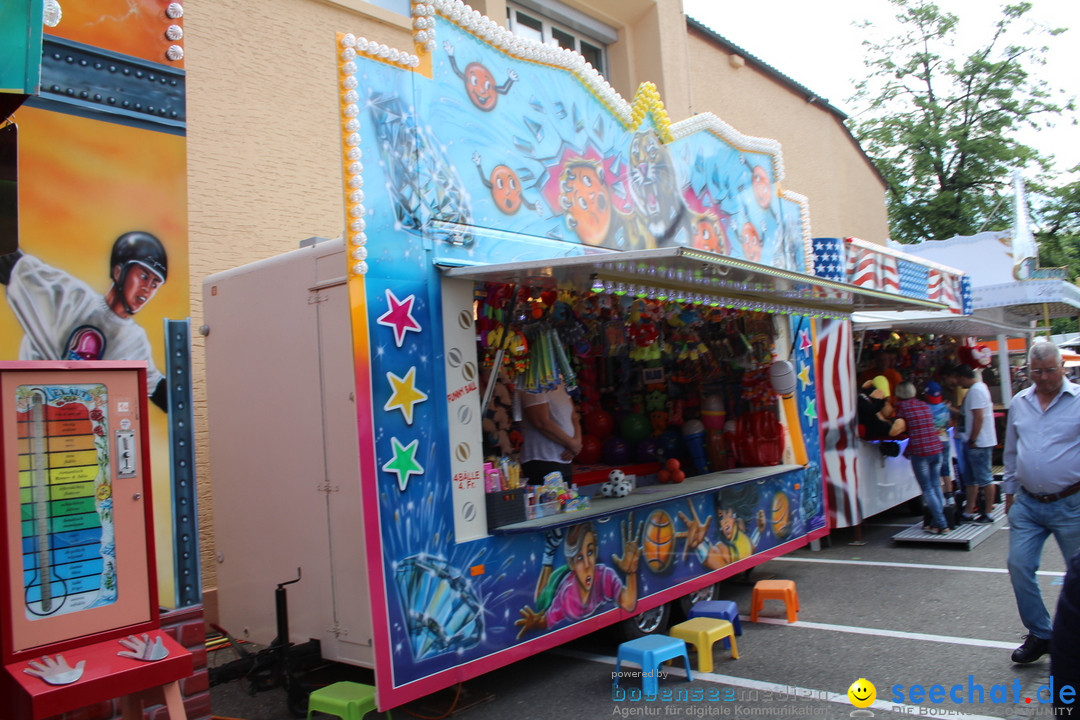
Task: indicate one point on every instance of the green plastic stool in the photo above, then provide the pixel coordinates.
(346, 700)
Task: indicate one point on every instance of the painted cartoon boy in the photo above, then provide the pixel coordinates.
(733, 544)
(583, 585)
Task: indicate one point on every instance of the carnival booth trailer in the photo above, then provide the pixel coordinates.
(511, 219)
(867, 475)
(1001, 296)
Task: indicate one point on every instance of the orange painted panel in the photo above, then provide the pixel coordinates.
(130, 27)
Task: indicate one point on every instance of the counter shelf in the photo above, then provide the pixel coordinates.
(647, 496)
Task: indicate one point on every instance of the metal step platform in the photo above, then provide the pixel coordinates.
(968, 534)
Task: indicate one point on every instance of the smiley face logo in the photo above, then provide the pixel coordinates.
(862, 693)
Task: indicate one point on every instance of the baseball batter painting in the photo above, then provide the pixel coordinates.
(63, 318)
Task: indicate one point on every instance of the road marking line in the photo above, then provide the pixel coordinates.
(800, 692)
(913, 566)
(951, 639)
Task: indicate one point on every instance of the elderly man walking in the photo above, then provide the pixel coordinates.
(1041, 486)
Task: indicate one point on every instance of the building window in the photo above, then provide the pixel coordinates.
(401, 7)
(556, 24)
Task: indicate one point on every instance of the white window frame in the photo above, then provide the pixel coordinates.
(555, 17)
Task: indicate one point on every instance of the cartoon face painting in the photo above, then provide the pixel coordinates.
(480, 86)
(479, 82)
(751, 242)
(763, 190)
(654, 186)
(587, 201)
(505, 189)
(729, 523)
(709, 235)
(583, 563)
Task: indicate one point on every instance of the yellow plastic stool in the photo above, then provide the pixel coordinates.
(703, 633)
(346, 700)
(775, 590)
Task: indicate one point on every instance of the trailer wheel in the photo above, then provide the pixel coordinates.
(683, 604)
(649, 622)
(296, 702)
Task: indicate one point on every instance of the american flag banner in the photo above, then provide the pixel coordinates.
(933, 285)
(966, 302)
(871, 269)
(829, 258)
(862, 267)
(914, 278)
(947, 288)
(890, 276)
(838, 421)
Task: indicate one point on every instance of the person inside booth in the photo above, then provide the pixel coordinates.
(551, 432)
(875, 413)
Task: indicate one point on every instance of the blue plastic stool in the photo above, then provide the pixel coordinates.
(650, 652)
(347, 700)
(719, 609)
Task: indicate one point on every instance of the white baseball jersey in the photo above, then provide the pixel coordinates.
(64, 319)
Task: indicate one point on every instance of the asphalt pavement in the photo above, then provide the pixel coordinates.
(930, 627)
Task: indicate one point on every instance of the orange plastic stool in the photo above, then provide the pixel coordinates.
(775, 590)
(703, 633)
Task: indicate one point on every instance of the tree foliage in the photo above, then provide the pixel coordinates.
(1058, 220)
(940, 124)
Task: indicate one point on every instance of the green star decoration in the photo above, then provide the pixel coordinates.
(811, 409)
(404, 462)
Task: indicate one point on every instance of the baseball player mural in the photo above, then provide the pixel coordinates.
(63, 318)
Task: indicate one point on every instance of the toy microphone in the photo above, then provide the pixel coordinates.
(782, 375)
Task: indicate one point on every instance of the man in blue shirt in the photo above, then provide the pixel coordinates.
(1041, 486)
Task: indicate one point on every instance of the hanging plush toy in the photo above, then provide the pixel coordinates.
(976, 356)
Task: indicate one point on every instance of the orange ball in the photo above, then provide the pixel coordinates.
(658, 541)
(678, 476)
(663, 476)
(672, 464)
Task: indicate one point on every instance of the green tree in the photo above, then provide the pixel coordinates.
(940, 124)
(1057, 218)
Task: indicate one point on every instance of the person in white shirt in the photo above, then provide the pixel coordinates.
(551, 434)
(979, 439)
(1041, 485)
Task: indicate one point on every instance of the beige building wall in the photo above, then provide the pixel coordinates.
(264, 154)
(822, 160)
(264, 144)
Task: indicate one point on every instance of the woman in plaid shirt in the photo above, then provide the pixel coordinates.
(924, 450)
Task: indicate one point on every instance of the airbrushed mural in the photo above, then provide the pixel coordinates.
(480, 158)
(496, 143)
(101, 218)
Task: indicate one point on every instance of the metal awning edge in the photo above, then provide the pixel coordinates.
(634, 266)
(939, 323)
(1023, 293)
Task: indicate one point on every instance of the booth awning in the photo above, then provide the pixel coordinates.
(688, 274)
(939, 323)
(1034, 299)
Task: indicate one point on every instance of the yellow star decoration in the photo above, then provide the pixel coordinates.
(404, 394)
(804, 376)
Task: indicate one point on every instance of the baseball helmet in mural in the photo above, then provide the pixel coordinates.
(140, 248)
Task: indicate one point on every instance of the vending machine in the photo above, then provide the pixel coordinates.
(79, 617)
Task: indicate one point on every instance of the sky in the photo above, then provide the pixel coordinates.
(815, 43)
